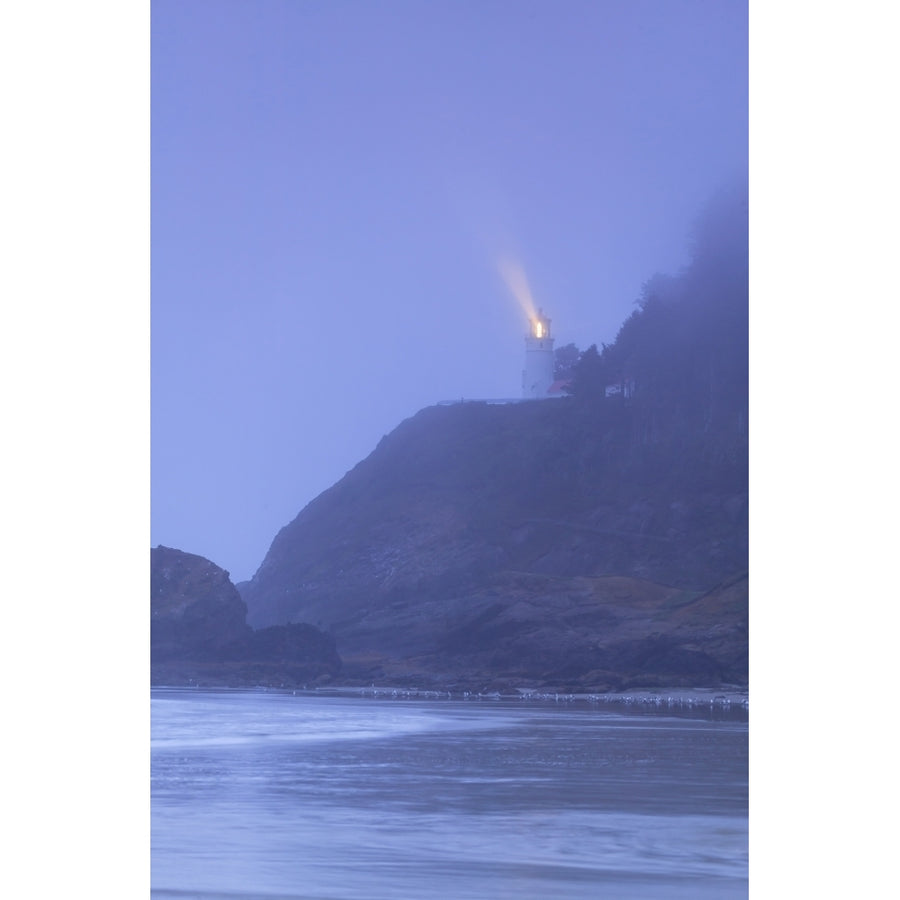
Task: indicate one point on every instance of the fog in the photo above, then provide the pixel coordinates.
(353, 206)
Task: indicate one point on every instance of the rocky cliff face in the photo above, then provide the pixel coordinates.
(530, 541)
(578, 633)
(199, 633)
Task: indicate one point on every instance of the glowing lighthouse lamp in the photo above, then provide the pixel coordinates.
(538, 374)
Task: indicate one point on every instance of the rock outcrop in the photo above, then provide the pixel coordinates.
(199, 633)
(195, 610)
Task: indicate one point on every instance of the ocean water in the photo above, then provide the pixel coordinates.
(276, 795)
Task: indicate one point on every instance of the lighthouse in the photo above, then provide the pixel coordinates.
(538, 373)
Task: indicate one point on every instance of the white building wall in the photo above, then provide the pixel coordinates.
(538, 374)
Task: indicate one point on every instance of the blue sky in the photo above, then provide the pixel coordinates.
(334, 185)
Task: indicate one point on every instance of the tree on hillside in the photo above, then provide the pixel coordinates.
(564, 360)
(716, 290)
(589, 375)
(685, 346)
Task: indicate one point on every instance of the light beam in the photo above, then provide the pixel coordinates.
(514, 276)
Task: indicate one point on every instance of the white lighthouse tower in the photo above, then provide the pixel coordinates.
(538, 374)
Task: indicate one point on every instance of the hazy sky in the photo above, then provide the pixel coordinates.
(334, 186)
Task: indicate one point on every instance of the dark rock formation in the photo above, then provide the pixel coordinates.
(294, 654)
(195, 610)
(199, 633)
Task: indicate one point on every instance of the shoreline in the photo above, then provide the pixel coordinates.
(724, 698)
